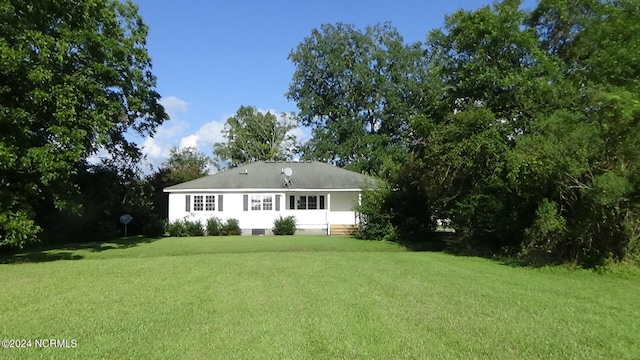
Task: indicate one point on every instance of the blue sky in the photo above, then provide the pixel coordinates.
(211, 57)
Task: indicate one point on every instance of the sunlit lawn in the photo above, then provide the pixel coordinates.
(308, 298)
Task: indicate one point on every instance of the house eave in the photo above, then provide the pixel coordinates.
(251, 190)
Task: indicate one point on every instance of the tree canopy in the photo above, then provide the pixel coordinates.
(357, 90)
(520, 126)
(537, 153)
(185, 164)
(74, 77)
(251, 135)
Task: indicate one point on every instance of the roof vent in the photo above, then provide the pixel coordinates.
(245, 172)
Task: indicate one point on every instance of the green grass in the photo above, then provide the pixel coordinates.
(308, 298)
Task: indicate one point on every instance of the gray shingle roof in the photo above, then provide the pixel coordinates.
(269, 175)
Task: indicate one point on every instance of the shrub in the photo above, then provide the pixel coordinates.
(375, 220)
(214, 226)
(193, 228)
(17, 230)
(632, 227)
(542, 239)
(284, 226)
(176, 228)
(231, 227)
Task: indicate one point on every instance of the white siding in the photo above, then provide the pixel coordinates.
(343, 201)
(338, 210)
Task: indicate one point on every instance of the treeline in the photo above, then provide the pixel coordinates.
(520, 126)
(104, 192)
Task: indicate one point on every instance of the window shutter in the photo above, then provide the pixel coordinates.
(277, 202)
(292, 202)
(245, 202)
(187, 207)
(321, 202)
(219, 202)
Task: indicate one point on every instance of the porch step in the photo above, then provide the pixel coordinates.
(344, 229)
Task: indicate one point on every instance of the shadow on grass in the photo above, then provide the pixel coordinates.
(448, 242)
(38, 257)
(98, 246)
(57, 252)
(439, 241)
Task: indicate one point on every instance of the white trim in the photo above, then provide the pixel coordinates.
(250, 190)
(327, 206)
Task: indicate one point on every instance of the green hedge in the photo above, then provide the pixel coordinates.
(284, 226)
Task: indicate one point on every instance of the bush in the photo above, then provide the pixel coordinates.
(231, 227)
(375, 220)
(542, 239)
(17, 230)
(193, 228)
(632, 227)
(284, 226)
(214, 226)
(176, 228)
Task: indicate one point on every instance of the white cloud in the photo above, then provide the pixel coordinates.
(300, 134)
(209, 134)
(189, 141)
(175, 132)
(157, 148)
(98, 156)
(152, 150)
(174, 105)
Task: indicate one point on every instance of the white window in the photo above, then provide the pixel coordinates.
(210, 203)
(198, 203)
(267, 202)
(203, 202)
(302, 203)
(312, 202)
(256, 202)
(261, 202)
(306, 202)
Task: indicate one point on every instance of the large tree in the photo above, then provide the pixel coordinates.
(253, 135)
(357, 90)
(535, 145)
(74, 77)
(494, 81)
(185, 164)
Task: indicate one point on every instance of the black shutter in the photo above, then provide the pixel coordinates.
(292, 202)
(277, 202)
(187, 207)
(245, 202)
(219, 202)
(321, 202)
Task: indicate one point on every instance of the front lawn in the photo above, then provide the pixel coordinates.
(307, 298)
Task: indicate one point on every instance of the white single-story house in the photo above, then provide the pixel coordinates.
(321, 197)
